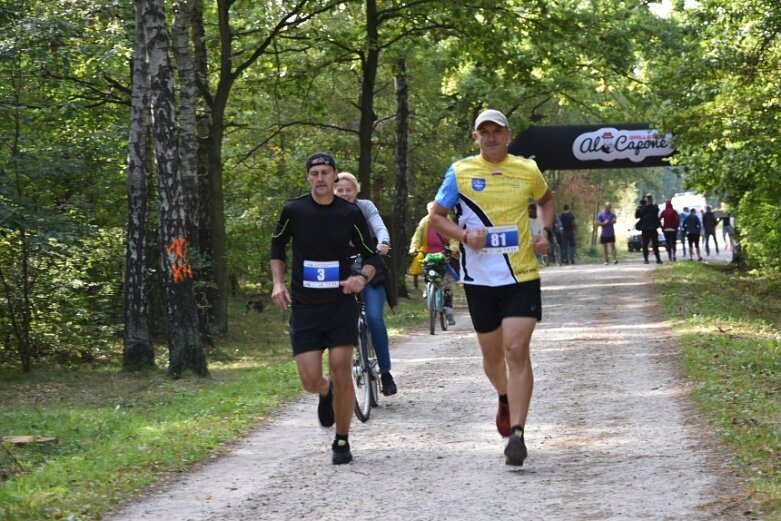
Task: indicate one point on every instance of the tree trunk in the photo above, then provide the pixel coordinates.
(185, 349)
(369, 61)
(138, 351)
(215, 199)
(189, 150)
(188, 142)
(399, 235)
(203, 118)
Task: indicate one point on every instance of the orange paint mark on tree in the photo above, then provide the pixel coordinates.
(177, 254)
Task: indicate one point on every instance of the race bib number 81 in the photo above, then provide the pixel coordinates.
(501, 239)
(321, 274)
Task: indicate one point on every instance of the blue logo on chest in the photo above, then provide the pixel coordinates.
(478, 184)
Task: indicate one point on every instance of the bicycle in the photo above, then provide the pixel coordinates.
(366, 369)
(435, 267)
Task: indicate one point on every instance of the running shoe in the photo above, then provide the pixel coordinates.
(503, 419)
(325, 409)
(388, 385)
(515, 451)
(341, 453)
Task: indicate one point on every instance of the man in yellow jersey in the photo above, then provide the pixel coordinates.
(490, 194)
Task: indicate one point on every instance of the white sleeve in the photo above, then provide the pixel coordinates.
(372, 216)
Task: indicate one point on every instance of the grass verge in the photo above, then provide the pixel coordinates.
(118, 432)
(729, 330)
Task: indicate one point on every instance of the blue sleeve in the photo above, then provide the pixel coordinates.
(447, 195)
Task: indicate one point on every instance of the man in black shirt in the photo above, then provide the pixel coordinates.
(568, 226)
(648, 214)
(326, 231)
(709, 222)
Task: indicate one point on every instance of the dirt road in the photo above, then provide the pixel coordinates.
(611, 432)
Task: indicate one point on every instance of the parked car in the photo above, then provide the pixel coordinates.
(634, 241)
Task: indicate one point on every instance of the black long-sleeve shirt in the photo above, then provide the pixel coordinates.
(323, 236)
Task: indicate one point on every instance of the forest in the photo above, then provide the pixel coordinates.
(146, 147)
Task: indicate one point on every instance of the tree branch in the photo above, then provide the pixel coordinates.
(283, 126)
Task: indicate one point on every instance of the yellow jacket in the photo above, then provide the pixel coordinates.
(418, 244)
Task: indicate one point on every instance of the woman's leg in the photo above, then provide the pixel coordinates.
(374, 297)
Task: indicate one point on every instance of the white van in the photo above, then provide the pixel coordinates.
(688, 200)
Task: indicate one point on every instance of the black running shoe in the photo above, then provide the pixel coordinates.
(388, 385)
(342, 452)
(325, 409)
(515, 451)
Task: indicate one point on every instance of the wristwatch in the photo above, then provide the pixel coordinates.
(549, 230)
(362, 274)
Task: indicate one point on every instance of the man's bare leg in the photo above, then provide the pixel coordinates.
(516, 340)
(310, 372)
(507, 347)
(340, 363)
(494, 363)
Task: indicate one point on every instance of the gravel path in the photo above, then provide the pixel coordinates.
(611, 432)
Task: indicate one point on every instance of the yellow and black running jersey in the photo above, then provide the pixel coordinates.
(495, 197)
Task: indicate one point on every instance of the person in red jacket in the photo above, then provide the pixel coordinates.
(670, 220)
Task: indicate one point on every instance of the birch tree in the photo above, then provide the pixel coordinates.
(138, 351)
(185, 348)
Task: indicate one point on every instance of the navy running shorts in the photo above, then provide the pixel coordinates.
(489, 305)
(319, 326)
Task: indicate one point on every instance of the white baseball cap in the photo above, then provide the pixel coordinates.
(493, 116)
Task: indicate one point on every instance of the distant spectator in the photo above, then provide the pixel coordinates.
(607, 236)
(726, 230)
(693, 226)
(648, 213)
(709, 223)
(670, 220)
(681, 229)
(568, 226)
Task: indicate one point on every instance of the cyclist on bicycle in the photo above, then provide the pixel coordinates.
(427, 240)
(325, 231)
(374, 294)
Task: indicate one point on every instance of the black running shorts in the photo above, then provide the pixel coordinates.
(319, 326)
(607, 240)
(489, 305)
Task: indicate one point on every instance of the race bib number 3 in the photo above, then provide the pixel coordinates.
(321, 274)
(501, 239)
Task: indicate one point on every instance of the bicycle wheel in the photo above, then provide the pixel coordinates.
(431, 300)
(374, 375)
(441, 308)
(557, 252)
(362, 377)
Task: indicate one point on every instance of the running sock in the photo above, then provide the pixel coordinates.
(341, 437)
(502, 398)
(517, 430)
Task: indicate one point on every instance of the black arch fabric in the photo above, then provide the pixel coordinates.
(610, 145)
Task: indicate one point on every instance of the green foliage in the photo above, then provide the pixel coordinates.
(717, 90)
(731, 336)
(61, 179)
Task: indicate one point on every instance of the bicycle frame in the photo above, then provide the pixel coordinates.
(366, 374)
(435, 297)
